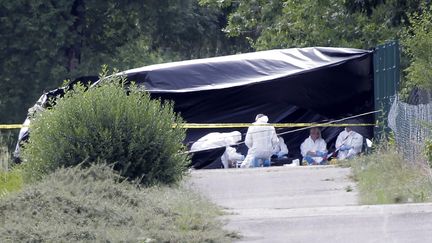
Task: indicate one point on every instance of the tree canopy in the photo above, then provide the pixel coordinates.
(301, 23)
(45, 42)
(417, 39)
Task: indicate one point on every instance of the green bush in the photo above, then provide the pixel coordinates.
(106, 123)
(95, 205)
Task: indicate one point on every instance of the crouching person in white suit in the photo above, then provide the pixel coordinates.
(348, 144)
(217, 140)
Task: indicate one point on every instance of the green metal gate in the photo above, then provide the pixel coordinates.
(386, 62)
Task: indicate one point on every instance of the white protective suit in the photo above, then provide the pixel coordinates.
(217, 140)
(231, 155)
(261, 140)
(247, 161)
(281, 148)
(310, 146)
(351, 139)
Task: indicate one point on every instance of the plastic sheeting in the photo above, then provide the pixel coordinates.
(314, 84)
(291, 85)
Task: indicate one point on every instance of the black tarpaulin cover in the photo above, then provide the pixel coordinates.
(296, 85)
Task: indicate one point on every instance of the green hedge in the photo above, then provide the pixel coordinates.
(106, 123)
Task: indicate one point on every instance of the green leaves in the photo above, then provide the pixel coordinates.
(45, 42)
(104, 124)
(294, 23)
(31, 33)
(417, 40)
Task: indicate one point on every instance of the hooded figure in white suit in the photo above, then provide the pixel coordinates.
(261, 139)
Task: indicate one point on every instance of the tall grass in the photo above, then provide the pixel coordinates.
(10, 179)
(5, 155)
(95, 204)
(384, 177)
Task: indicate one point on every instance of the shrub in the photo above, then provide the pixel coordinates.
(95, 205)
(106, 123)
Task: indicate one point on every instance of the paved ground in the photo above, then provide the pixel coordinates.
(308, 204)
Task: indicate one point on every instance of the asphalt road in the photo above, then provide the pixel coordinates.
(308, 204)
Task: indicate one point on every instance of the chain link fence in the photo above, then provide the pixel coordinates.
(411, 125)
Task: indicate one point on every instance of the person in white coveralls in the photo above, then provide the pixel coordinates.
(348, 144)
(261, 139)
(281, 149)
(314, 148)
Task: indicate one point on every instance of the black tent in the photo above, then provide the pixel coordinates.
(290, 86)
(295, 85)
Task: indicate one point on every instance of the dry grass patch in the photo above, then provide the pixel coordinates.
(95, 204)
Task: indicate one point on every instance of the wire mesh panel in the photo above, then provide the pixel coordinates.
(411, 125)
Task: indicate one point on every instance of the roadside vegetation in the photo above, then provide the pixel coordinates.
(96, 204)
(104, 165)
(384, 177)
(10, 179)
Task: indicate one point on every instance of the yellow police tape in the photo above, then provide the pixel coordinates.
(11, 126)
(277, 125)
(237, 125)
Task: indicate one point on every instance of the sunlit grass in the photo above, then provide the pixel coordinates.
(383, 177)
(94, 204)
(10, 178)
(10, 181)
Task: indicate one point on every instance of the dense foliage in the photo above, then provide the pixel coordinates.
(106, 124)
(45, 42)
(417, 40)
(42, 43)
(300, 23)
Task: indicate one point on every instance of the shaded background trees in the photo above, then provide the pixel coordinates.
(300, 23)
(45, 42)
